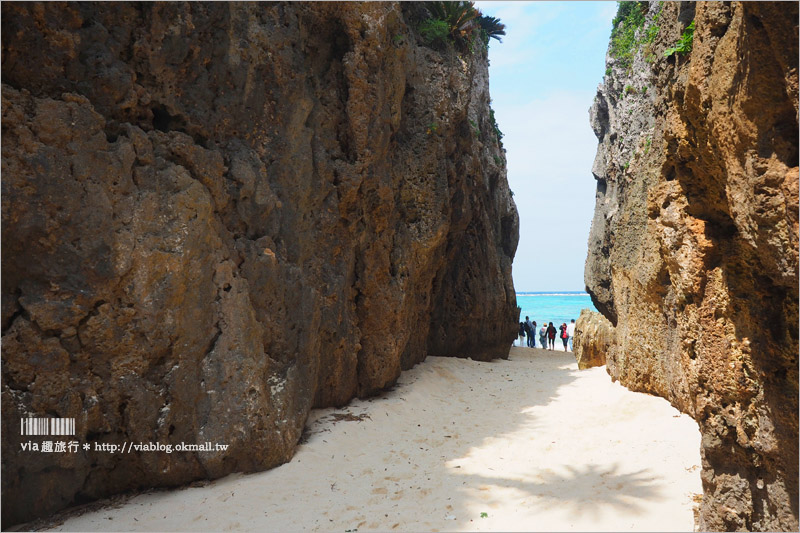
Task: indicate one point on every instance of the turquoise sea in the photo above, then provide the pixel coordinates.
(555, 307)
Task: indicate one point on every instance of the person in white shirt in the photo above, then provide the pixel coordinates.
(571, 332)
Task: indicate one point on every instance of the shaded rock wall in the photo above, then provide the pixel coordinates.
(694, 244)
(216, 216)
(594, 341)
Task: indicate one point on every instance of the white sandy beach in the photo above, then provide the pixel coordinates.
(528, 444)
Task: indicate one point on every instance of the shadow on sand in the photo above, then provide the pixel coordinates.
(623, 492)
(418, 457)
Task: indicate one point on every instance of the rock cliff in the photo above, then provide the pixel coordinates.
(693, 252)
(216, 216)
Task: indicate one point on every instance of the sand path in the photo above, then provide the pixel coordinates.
(527, 444)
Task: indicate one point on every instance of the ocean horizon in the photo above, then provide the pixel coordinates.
(553, 306)
(558, 293)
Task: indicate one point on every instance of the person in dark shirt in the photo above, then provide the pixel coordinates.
(529, 329)
(551, 336)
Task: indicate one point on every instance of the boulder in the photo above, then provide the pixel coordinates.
(594, 339)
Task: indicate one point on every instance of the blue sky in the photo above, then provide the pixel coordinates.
(542, 78)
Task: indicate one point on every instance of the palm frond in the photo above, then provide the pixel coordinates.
(493, 27)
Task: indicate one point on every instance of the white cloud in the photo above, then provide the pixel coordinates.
(550, 148)
(549, 136)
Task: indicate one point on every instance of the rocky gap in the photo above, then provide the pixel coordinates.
(19, 311)
(166, 122)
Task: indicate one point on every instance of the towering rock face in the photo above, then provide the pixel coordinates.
(693, 252)
(216, 216)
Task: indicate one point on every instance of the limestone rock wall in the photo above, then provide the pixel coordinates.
(216, 216)
(693, 253)
(595, 340)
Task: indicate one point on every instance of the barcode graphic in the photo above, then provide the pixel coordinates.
(62, 426)
(47, 426)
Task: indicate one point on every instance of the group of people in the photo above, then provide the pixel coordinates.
(547, 334)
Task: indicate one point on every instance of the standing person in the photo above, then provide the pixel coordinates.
(543, 335)
(529, 330)
(521, 334)
(533, 335)
(551, 336)
(571, 332)
(564, 335)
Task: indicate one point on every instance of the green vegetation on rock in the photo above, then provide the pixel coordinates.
(457, 17)
(491, 27)
(460, 23)
(497, 132)
(684, 44)
(434, 31)
(626, 34)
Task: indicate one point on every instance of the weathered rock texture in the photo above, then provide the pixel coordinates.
(694, 244)
(216, 216)
(594, 339)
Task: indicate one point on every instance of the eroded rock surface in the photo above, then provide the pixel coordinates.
(594, 341)
(694, 243)
(216, 216)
